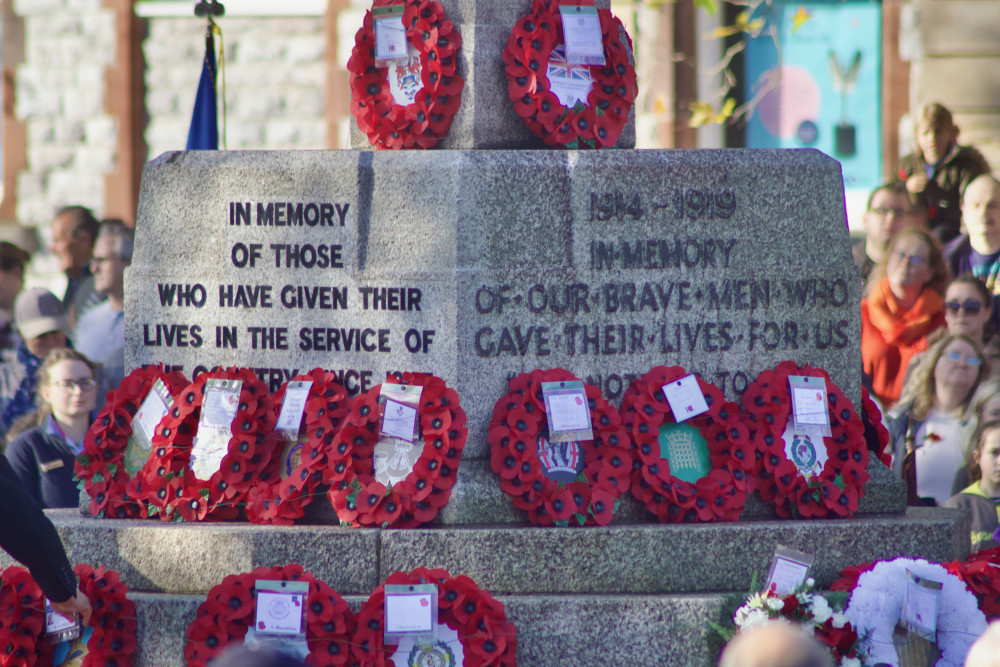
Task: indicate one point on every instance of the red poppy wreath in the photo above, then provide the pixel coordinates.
(696, 470)
(565, 483)
(427, 466)
(107, 641)
(292, 477)
(229, 611)
(472, 627)
(101, 467)
(838, 486)
(408, 104)
(168, 483)
(536, 65)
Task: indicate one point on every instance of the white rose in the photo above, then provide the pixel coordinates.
(840, 620)
(821, 610)
(810, 582)
(850, 662)
(775, 604)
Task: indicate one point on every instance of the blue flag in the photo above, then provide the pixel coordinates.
(204, 132)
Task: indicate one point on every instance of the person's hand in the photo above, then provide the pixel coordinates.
(916, 183)
(78, 604)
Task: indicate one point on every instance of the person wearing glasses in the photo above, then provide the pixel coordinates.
(967, 311)
(928, 432)
(906, 304)
(100, 332)
(42, 457)
(977, 251)
(889, 211)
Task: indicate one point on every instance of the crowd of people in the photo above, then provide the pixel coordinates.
(930, 321)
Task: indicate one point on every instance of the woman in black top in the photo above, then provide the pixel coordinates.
(43, 457)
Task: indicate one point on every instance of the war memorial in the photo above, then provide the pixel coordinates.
(489, 257)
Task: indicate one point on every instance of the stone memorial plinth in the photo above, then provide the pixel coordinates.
(486, 119)
(480, 265)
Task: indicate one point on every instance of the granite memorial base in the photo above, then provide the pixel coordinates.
(632, 594)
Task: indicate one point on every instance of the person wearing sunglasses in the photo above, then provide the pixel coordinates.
(968, 312)
(43, 457)
(927, 433)
(977, 251)
(905, 306)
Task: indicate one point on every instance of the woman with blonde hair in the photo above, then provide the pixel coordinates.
(927, 433)
(906, 304)
(43, 457)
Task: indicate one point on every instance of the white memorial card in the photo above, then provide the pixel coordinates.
(211, 443)
(410, 611)
(789, 570)
(582, 35)
(685, 398)
(920, 606)
(809, 405)
(567, 411)
(292, 407)
(154, 407)
(399, 420)
(390, 34)
(279, 613)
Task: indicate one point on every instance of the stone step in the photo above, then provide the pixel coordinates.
(552, 630)
(627, 559)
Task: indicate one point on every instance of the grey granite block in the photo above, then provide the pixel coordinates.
(669, 558)
(191, 558)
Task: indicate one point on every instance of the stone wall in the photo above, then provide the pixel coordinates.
(274, 82)
(71, 139)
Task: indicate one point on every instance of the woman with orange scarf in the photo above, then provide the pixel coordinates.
(904, 306)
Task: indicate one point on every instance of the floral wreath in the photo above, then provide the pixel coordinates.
(358, 498)
(519, 420)
(827, 622)
(596, 124)
(282, 499)
(717, 496)
(835, 492)
(101, 466)
(228, 612)
(166, 481)
(480, 621)
(872, 417)
(427, 120)
(877, 598)
(22, 619)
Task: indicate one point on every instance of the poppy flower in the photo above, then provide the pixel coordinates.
(602, 505)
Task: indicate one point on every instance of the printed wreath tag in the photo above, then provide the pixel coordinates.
(355, 492)
(109, 638)
(167, 481)
(228, 611)
(563, 484)
(112, 452)
(689, 471)
(784, 467)
(303, 464)
(471, 623)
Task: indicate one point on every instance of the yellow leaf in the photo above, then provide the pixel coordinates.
(701, 113)
(801, 16)
(727, 110)
(659, 105)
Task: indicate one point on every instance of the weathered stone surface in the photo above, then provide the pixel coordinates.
(604, 263)
(191, 558)
(668, 558)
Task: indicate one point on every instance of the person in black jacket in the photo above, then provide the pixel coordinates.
(43, 456)
(28, 535)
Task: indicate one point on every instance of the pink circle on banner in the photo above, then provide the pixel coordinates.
(793, 100)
